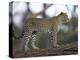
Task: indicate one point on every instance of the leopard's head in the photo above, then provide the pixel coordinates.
(64, 17)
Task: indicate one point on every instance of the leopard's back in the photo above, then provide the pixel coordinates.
(39, 23)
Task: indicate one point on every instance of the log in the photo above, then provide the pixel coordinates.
(68, 49)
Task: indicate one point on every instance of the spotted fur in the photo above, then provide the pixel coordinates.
(36, 25)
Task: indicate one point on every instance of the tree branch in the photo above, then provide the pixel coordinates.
(34, 15)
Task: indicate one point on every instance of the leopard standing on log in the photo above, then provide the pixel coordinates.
(34, 26)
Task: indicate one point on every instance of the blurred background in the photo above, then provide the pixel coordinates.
(19, 11)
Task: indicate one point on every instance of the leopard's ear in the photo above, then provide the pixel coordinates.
(61, 13)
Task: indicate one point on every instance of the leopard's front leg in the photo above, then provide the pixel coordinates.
(54, 39)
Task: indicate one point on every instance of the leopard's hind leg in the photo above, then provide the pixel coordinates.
(33, 41)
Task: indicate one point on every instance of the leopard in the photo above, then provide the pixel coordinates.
(34, 26)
